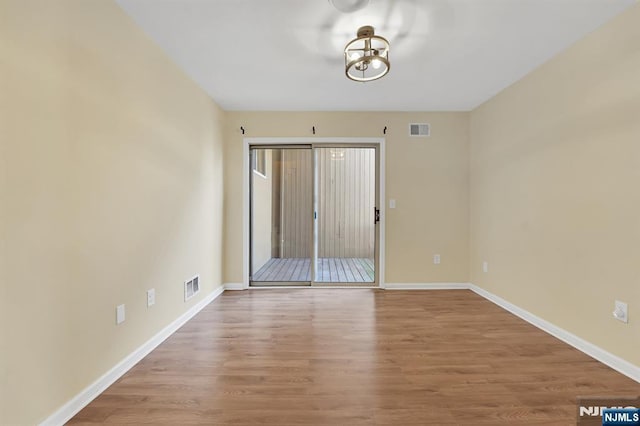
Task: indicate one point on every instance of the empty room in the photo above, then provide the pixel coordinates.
(319, 212)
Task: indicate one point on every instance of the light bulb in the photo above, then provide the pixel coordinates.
(355, 56)
(376, 63)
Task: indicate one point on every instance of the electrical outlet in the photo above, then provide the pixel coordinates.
(119, 314)
(485, 266)
(151, 297)
(436, 259)
(392, 203)
(620, 311)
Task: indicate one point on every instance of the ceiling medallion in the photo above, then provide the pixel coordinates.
(366, 58)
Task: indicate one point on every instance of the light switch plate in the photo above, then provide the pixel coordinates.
(119, 314)
(392, 203)
(151, 297)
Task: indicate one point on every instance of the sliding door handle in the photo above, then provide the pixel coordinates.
(376, 215)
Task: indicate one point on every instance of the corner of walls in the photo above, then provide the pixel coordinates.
(433, 221)
(553, 167)
(234, 286)
(620, 365)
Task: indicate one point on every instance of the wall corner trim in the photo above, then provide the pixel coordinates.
(427, 286)
(81, 400)
(620, 365)
(234, 286)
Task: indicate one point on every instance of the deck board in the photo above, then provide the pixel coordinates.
(298, 270)
(347, 271)
(342, 270)
(333, 272)
(355, 271)
(362, 271)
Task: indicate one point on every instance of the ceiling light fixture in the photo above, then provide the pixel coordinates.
(366, 58)
(349, 6)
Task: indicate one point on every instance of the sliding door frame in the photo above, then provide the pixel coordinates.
(316, 208)
(252, 149)
(269, 142)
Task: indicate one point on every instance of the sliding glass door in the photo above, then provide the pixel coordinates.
(345, 205)
(281, 220)
(313, 215)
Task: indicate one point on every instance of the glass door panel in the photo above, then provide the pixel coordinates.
(345, 201)
(281, 215)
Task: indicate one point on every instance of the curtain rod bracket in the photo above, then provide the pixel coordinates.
(385, 130)
(242, 128)
(314, 129)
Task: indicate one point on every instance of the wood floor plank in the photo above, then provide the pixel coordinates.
(356, 357)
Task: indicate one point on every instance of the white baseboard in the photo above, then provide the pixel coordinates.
(71, 408)
(77, 403)
(628, 369)
(426, 286)
(234, 286)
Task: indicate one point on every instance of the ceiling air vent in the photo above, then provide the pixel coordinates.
(419, 129)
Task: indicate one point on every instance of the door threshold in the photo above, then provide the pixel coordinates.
(325, 287)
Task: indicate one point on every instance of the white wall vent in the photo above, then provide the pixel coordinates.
(419, 129)
(191, 287)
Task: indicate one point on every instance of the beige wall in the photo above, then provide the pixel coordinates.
(113, 165)
(4, 319)
(427, 177)
(555, 167)
(111, 183)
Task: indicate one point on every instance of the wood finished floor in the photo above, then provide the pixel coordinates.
(333, 270)
(356, 357)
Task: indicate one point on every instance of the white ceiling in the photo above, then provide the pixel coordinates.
(286, 55)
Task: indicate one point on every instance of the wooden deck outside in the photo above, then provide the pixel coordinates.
(333, 270)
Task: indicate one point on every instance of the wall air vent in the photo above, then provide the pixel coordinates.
(191, 287)
(419, 129)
